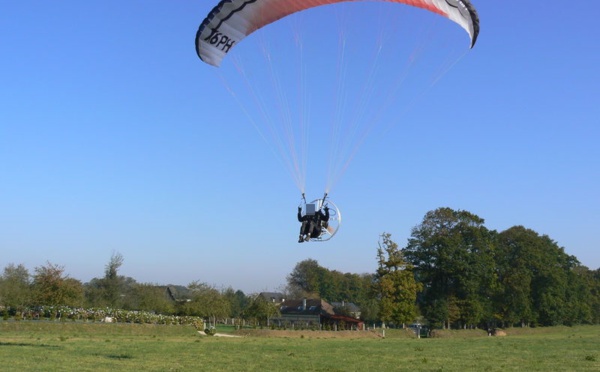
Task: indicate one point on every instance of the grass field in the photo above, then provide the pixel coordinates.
(54, 346)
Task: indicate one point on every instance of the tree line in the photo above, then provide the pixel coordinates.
(456, 273)
(472, 275)
(452, 273)
(50, 292)
(23, 293)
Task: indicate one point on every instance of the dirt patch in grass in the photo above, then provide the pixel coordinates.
(307, 334)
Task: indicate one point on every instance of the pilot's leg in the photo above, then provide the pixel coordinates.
(303, 229)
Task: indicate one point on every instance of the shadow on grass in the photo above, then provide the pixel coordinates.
(25, 344)
(119, 356)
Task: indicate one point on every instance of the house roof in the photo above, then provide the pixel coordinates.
(348, 305)
(178, 292)
(347, 319)
(306, 306)
(273, 296)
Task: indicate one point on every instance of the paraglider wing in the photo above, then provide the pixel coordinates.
(232, 20)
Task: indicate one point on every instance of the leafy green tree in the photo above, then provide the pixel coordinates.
(369, 310)
(93, 293)
(15, 287)
(395, 284)
(304, 281)
(52, 287)
(537, 279)
(310, 280)
(237, 301)
(593, 279)
(206, 301)
(113, 284)
(580, 300)
(513, 302)
(112, 290)
(453, 257)
(352, 287)
(150, 297)
(261, 309)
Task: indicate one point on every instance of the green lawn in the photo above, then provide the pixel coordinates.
(54, 346)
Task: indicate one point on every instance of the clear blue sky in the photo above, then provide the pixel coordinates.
(115, 137)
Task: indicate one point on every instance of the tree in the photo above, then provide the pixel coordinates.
(15, 287)
(395, 284)
(237, 301)
(593, 279)
(261, 309)
(539, 284)
(113, 283)
(112, 289)
(150, 297)
(514, 260)
(580, 299)
(310, 280)
(206, 301)
(369, 310)
(453, 257)
(305, 279)
(51, 287)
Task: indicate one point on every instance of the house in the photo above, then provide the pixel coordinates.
(274, 297)
(347, 308)
(314, 313)
(177, 293)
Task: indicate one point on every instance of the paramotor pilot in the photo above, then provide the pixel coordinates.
(312, 222)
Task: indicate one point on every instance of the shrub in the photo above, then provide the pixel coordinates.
(210, 331)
